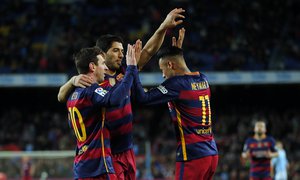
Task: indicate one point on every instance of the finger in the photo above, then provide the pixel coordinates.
(139, 44)
(86, 80)
(82, 86)
(133, 53)
(128, 49)
(84, 83)
(181, 33)
(174, 10)
(178, 22)
(180, 37)
(180, 16)
(180, 10)
(173, 41)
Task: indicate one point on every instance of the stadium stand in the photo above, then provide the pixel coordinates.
(251, 35)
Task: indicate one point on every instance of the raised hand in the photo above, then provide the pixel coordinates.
(130, 55)
(138, 49)
(178, 42)
(174, 18)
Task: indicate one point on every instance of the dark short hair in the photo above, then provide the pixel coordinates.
(105, 41)
(84, 57)
(169, 51)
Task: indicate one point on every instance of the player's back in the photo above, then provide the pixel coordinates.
(93, 154)
(191, 115)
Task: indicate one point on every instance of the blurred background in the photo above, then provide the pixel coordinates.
(249, 49)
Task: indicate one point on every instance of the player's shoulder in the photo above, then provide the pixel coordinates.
(80, 92)
(250, 139)
(93, 88)
(270, 138)
(188, 77)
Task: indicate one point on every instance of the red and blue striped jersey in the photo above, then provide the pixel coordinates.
(86, 107)
(120, 119)
(258, 149)
(188, 98)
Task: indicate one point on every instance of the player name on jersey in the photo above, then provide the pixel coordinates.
(200, 85)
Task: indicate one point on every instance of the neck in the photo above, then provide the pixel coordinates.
(110, 72)
(182, 71)
(259, 136)
(94, 79)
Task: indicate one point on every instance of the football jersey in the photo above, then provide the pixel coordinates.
(120, 118)
(87, 107)
(260, 165)
(188, 99)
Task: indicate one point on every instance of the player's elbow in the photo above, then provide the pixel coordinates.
(61, 98)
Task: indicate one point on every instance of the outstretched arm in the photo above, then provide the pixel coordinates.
(153, 96)
(155, 42)
(80, 80)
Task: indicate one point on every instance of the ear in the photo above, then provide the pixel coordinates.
(92, 66)
(170, 65)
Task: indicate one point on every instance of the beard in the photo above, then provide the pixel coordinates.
(259, 134)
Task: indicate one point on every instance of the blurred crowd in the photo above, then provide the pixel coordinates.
(37, 127)
(41, 36)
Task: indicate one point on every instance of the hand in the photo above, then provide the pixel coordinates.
(138, 49)
(130, 55)
(82, 80)
(178, 43)
(171, 20)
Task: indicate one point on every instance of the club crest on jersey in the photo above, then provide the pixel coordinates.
(120, 77)
(101, 91)
(74, 96)
(112, 81)
(162, 89)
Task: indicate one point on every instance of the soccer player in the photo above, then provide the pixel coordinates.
(260, 149)
(27, 168)
(120, 118)
(86, 113)
(188, 97)
(280, 163)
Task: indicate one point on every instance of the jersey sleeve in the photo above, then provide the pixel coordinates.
(273, 144)
(103, 97)
(165, 92)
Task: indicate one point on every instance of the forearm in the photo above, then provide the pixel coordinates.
(152, 46)
(151, 97)
(65, 90)
(273, 154)
(140, 94)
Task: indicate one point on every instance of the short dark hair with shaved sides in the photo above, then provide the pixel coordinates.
(169, 51)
